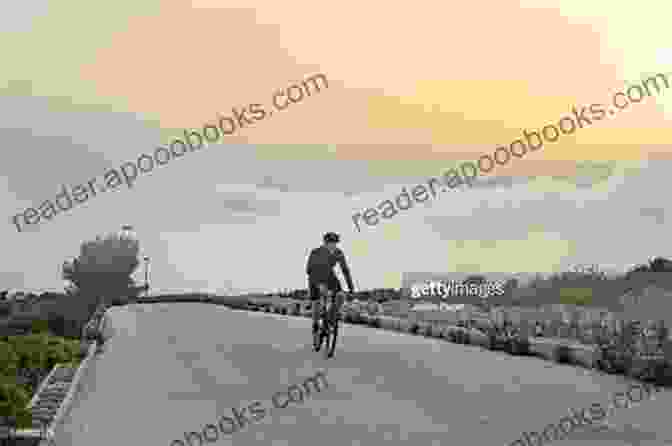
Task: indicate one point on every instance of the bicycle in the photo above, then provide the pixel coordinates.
(327, 331)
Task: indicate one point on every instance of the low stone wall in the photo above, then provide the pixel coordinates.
(546, 348)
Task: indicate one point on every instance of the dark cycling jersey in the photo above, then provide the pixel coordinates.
(320, 267)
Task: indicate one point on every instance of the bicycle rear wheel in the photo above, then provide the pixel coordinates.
(318, 335)
(317, 339)
(332, 330)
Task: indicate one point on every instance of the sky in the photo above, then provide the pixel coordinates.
(413, 89)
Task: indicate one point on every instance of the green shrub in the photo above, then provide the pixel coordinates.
(32, 350)
(13, 401)
(35, 352)
(40, 326)
(57, 354)
(9, 359)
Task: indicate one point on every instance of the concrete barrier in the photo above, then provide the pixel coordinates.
(477, 337)
(405, 325)
(543, 347)
(585, 355)
(435, 331)
(423, 326)
(388, 323)
(446, 333)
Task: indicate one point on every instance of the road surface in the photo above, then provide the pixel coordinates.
(173, 368)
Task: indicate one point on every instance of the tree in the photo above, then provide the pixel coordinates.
(640, 275)
(103, 267)
(655, 265)
(660, 265)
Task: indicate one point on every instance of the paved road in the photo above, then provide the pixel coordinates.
(172, 368)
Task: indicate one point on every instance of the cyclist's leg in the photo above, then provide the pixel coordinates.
(340, 299)
(316, 313)
(315, 300)
(339, 294)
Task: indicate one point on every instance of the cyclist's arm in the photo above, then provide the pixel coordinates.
(346, 271)
(310, 264)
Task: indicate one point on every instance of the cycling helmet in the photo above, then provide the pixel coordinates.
(331, 237)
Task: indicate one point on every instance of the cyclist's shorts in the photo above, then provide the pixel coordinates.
(332, 285)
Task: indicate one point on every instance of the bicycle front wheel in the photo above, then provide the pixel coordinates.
(332, 336)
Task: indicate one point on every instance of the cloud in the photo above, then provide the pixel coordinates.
(21, 17)
(498, 182)
(65, 146)
(658, 214)
(248, 203)
(270, 183)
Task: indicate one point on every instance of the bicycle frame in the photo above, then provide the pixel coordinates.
(326, 303)
(328, 329)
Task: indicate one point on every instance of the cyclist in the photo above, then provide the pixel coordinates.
(321, 276)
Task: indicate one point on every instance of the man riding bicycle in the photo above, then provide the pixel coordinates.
(321, 276)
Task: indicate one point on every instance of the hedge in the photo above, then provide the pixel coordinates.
(14, 400)
(30, 357)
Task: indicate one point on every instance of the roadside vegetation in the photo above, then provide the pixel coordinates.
(39, 331)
